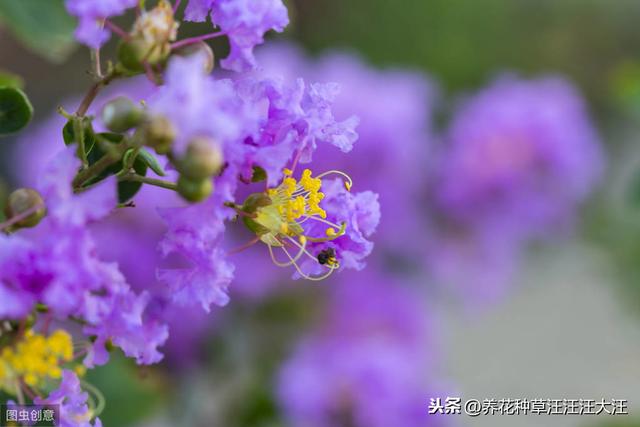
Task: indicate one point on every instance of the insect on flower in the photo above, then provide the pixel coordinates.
(278, 216)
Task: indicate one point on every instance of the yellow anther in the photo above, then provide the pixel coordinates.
(330, 232)
(287, 172)
(36, 358)
(347, 185)
(289, 186)
(303, 240)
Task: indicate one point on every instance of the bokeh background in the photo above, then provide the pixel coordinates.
(567, 325)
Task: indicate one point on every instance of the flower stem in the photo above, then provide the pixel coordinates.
(151, 181)
(11, 221)
(197, 39)
(113, 27)
(93, 92)
(98, 167)
(78, 130)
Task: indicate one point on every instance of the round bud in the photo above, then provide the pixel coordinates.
(203, 159)
(121, 114)
(194, 190)
(22, 200)
(134, 52)
(200, 48)
(158, 133)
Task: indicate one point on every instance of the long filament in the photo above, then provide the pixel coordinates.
(306, 276)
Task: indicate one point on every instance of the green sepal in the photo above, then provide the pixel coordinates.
(151, 161)
(254, 227)
(255, 201)
(259, 174)
(15, 110)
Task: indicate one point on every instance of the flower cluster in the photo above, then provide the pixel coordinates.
(519, 158)
(362, 367)
(260, 126)
(208, 175)
(231, 148)
(244, 22)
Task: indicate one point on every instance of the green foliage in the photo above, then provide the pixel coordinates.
(15, 110)
(463, 43)
(42, 25)
(69, 137)
(131, 394)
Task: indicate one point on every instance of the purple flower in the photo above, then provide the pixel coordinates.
(91, 15)
(519, 159)
(361, 214)
(56, 264)
(298, 119)
(392, 154)
(74, 411)
(195, 233)
(256, 122)
(367, 365)
(521, 156)
(244, 22)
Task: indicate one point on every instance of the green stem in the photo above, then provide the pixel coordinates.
(151, 181)
(93, 92)
(78, 130)
(98, 167)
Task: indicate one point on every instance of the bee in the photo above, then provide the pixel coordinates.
(327, 257)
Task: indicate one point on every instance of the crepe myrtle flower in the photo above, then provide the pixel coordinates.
(367, 364)
(75, 410)
(34, 363)
(55, 264)
(291, 218)
(257, 126)
(521, 156)
(244, 22)
(91, 15)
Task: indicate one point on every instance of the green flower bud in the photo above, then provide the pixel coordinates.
(121, 114)
(23, 200)
(151, 38)
(202, 159)
(199, 48)
(158, 133)
(194, 190)
(134, 52)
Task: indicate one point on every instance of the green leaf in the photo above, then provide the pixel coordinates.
(68, 134)
(132, 394)
(151, 161)
(8, 79)
(15, 110)
(128, 189)
(44, 26)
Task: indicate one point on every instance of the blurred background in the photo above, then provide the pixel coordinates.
(565, 322)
